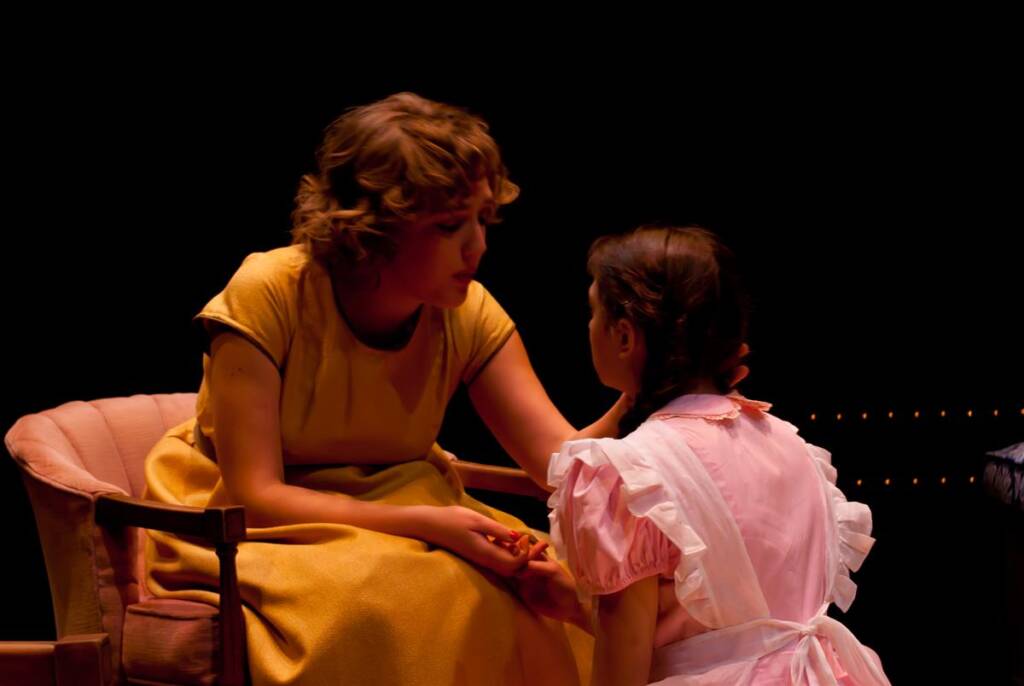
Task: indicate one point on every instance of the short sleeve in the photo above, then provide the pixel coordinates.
(608, 547)
(259, 303)
(479, 327)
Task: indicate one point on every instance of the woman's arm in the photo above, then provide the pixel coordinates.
(624, 634)
(245, 388)
(513, 404)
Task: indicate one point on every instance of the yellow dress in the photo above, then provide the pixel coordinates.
(335, 604)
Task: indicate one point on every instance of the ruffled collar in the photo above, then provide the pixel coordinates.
(712, 407)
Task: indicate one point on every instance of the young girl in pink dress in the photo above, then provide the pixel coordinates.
(711, 539)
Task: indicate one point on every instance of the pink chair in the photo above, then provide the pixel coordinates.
(82, 464)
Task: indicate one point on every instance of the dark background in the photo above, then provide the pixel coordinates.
(873, 206)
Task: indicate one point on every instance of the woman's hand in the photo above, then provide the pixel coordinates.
(734, 368)
(465, 533)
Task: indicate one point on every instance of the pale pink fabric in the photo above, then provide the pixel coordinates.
(70, 454)
(171, 641)
(742, 521)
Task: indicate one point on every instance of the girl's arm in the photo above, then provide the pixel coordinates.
(624, 634)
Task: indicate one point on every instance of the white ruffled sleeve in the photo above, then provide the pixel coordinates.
(851, 538)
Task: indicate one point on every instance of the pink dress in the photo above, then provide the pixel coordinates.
(742, 521)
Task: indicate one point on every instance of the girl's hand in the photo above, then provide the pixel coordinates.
(547, 589)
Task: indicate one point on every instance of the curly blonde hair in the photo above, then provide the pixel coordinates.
(385, 163)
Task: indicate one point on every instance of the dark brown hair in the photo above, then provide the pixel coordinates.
(680, 287)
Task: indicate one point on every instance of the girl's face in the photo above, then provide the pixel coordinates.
(616, 348)
(437, 254)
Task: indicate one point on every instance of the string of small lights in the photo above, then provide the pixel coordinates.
(915, 481)
(917, 414)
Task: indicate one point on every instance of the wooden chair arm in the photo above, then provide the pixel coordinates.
(502, 479)
(80, 659)
(212, 524)
(224, 527)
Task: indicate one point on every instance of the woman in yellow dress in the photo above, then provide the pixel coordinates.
(330, 364)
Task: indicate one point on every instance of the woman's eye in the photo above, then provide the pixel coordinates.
(449, 227)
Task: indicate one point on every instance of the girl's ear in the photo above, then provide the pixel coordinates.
(626, 337)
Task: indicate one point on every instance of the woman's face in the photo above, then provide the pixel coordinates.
(437, 254)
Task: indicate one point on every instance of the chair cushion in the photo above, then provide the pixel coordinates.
(171, 641)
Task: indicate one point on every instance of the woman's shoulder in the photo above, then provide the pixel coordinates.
(276, 275)
(262, 298)
(283, 263)
(479, 327)
(479, 301)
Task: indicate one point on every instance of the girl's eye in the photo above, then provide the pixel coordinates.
(449, 227)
